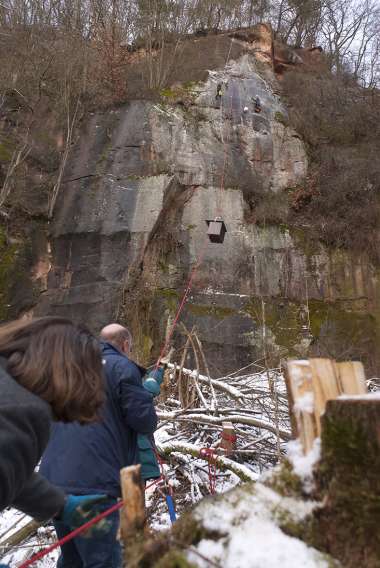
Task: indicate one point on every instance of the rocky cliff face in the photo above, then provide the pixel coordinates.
(130, 223)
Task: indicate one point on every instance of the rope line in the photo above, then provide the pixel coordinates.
(209, 455)
(182, 304)
(225, 140)
(80, 529)
(218, 210)
(72, 534)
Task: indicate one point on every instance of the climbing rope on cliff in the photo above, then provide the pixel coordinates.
(220, 228)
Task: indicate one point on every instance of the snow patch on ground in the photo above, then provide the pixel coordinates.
(11, 521)
(250, 537)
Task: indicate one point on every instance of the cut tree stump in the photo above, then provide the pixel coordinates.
(349, 481)
(311, 383)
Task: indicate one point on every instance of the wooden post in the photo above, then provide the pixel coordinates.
(132, 515)
(352, 378)
(325, 385)
(316, 381)
(228, 442)
(300, 385)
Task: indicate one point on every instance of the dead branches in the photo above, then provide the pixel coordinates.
(223, 463)
(217, 385)
(18, 157)
(190, 416)
(256, 407)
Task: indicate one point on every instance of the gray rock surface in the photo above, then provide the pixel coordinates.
(130, 223)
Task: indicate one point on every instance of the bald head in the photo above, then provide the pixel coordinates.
(118, 335)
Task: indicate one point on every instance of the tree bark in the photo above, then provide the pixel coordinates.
(349, 481)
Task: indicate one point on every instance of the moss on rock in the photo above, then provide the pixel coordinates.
(300, 328)
(6, 150)
(166, 550)
(284, 319)
(174, 559)
(348, 524)
(285, 482)
(281, 118)
(218, 312)
(170, 296)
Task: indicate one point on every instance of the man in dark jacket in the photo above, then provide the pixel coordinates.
(82, 457)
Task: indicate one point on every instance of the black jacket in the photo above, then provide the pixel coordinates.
(88, 459)
(24, 433)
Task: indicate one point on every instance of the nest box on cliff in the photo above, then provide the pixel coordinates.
(216, 230)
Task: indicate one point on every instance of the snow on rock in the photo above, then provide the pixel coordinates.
(246, 519)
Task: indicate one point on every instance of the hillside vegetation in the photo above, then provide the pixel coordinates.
(62, 61)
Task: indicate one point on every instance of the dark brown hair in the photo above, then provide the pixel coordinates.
(58, 361)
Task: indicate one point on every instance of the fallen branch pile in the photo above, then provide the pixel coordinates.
(196, 407)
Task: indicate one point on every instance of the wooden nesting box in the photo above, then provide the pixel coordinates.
(216, 230)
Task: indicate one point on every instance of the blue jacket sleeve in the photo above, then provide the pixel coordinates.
(136, 403)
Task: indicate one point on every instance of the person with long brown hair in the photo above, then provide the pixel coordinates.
(79, 460)
(50, 369)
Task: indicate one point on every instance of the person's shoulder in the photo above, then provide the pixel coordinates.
(23, 412)
(119, 366)
(127, 369)
(12, 393)
(111, 356)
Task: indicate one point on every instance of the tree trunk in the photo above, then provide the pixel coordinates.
(349, 480)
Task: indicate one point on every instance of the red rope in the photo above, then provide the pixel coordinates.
(229, 437)
(209, 455)
(80, 529)
(154, 483)
(181, 306)
(222, 177)
(72, 535)
(200, 258)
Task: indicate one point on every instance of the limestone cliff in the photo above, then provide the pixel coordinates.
(130, 223)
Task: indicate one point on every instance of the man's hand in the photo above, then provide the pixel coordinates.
(154, 380)
(166, 360)
(79, 509)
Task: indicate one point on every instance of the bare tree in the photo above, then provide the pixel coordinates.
(348, 27)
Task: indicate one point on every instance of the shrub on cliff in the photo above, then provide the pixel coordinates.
(340, 122)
